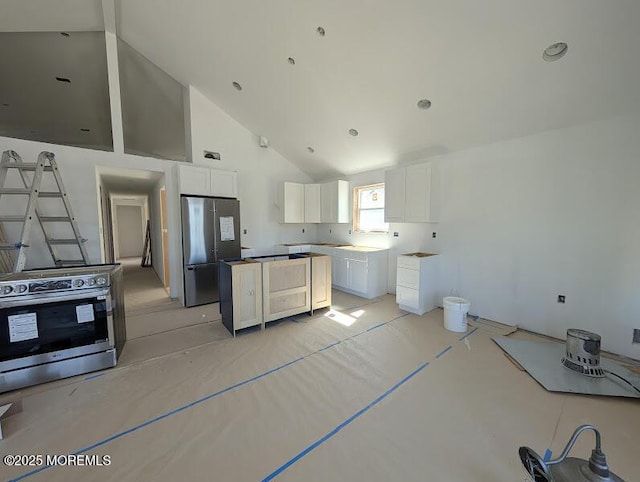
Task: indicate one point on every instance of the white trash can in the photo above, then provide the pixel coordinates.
(455, 313)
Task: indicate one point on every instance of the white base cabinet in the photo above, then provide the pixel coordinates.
(362, 273)
(416, 282)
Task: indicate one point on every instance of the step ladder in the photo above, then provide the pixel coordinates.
(146, 250)
(31, 187)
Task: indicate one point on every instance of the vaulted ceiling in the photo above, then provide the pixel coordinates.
(478, 62)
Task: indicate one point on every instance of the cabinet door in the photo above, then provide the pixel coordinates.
(291, 202)
(247, 295)
(357, 275)
(312, 205)
(343, 196)
(340, 265)
(194, 180)
(418, 194)
(224, 183)
(321, 282)
(328, 199)
(394, 195)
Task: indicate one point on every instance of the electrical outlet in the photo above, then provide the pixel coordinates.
(396, 234)
(349, 231)
(560, 298)
(329, 231)
(303, 230)
(244, 231)
(636, 335)
(433, 235)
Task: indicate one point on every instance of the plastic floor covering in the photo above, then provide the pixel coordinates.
(362, 392)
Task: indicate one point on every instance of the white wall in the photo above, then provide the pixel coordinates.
(260, 171)
(130, 231)
(526, 220)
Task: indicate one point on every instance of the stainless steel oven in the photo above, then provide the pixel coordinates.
(57, 323)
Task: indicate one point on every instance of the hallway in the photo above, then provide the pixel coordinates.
(143, 290)
(149, 309)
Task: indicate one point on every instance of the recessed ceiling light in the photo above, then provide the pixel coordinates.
(63, 79)
(311, 149)
(65, 34)
(292, 61)
(236, 85)
(555, 51)
(320, 31)
(353, 132)
(424, 103)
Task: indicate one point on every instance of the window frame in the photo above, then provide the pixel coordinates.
(357, 209)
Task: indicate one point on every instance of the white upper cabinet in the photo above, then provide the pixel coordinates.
(224, 183)
(312, 206)
(412, 194)
(202, 181)
(194, 180)
(394, 195)
(291, 201)
(334, 203)
(314, 203)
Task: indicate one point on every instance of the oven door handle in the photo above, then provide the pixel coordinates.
(43, 298)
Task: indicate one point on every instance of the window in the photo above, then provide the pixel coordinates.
(368, 209)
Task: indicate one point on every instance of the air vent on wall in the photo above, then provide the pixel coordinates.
(212, 155)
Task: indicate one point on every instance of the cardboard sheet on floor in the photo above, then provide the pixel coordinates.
(543, 361)
(491, 327)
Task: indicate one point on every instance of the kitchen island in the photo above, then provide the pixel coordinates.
(255, 291)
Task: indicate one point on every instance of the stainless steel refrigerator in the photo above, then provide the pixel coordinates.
(210, 233)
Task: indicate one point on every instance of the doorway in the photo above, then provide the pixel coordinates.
(130, 201)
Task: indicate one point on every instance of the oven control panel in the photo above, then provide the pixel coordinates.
(48, 285)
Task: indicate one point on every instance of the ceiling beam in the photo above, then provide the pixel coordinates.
(109, 15)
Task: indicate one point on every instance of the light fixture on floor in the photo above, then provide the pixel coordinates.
(583, 353)
(569, 469)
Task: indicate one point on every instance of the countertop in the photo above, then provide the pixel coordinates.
(339, 246)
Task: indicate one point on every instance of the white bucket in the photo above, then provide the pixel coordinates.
(455, 313)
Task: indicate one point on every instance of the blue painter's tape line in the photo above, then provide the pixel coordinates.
(375, 327)
(94, 376)
(165, 415)
(469, 334)
(196, 402)
(547, 456)
(444, 351)
(329, 346)
(320, 441)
